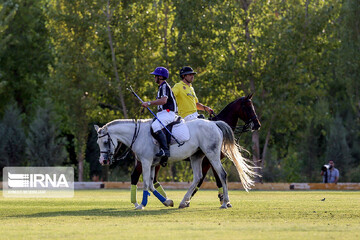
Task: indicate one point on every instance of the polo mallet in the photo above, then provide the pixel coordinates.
(132, 91)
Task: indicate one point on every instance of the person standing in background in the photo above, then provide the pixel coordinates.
(330, 173)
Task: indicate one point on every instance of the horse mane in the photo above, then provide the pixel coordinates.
(118, 121)
(227, 107)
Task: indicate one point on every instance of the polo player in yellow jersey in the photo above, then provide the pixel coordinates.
(188, 103)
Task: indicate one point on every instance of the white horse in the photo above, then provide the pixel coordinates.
(206, 138)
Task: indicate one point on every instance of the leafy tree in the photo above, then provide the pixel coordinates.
(75, 72)
(285, 47)
(25, 55)
(12, 141)
(7, 12)
(45, 147)
(343, 94)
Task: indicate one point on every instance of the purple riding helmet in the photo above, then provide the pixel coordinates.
(161, 71)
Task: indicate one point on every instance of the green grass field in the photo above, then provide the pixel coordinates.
(108, 214)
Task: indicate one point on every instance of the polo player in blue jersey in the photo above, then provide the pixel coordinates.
(167, 108)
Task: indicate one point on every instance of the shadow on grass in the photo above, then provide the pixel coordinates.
(107, 212)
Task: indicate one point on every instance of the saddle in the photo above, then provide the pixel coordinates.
(177, 128)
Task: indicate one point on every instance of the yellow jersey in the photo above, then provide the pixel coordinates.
(185, 98)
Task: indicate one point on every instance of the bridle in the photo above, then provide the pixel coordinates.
(249, 115)
(108, 154)
(112, 157)
(248, 124)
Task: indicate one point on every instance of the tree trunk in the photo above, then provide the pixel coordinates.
(256, 155)
(80, 167)
(255, 135)
(113, 57)
(165, 32)
(82, 135)
(266, 144)
(265, 148)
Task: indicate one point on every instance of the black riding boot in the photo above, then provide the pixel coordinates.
(164, 149)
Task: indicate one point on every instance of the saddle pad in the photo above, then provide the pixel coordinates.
(181, 132)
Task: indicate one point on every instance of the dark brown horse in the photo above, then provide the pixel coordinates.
(242, 108)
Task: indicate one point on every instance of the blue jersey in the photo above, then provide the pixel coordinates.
(165, 91)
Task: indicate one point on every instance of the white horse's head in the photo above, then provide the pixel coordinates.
(106, 145)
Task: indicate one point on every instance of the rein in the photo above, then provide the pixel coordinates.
(212, 115)
(126, 153)
(114, 157)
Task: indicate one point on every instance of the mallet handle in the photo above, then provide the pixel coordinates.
(133, 92)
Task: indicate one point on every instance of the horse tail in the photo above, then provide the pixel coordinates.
(231, 150)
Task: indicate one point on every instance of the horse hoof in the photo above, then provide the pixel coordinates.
(168, 203)
(184, 205)
(223, 206)
(229, 205)
(139, 207)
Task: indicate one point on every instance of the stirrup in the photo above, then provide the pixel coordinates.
(162, 153)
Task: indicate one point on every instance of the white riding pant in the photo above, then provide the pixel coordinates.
(165, 117)
(191, 117)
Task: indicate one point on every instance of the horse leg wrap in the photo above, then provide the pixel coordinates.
(221, 195)
(133, 193)
(159, 196)
(160, 189)
(145, 197)
(196, 189)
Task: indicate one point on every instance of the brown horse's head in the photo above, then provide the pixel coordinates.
(242, 108)
(248, 114)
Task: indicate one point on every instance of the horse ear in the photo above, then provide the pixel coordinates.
(96, 128)
(249, 96)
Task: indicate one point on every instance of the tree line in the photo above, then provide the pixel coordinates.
(65, 65)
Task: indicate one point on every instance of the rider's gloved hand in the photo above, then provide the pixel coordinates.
(209, 110)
